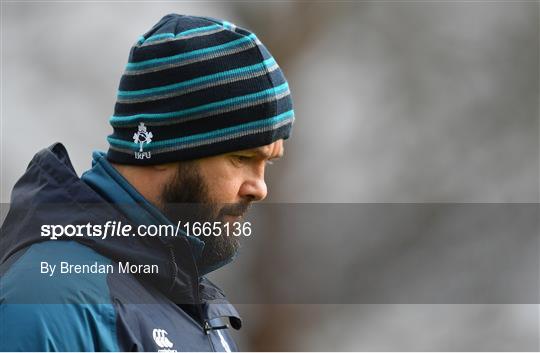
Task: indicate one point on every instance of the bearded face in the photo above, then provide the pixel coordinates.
(187, 199)
(218, 188)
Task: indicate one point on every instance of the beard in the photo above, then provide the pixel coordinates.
(187, 199)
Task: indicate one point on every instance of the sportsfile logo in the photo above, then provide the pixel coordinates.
(141, 137)
(160, 337)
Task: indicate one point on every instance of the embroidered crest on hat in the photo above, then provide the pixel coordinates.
(141, 137)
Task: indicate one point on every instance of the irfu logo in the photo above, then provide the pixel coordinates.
(141, 137)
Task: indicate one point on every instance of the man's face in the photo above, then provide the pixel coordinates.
(219, 189)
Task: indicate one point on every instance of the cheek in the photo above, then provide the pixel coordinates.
(224, 190)
(223, 185)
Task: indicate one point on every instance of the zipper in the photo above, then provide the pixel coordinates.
(205, 323)
(205, 326)
(173, 261)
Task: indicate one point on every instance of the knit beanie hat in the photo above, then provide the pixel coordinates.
(196, 87)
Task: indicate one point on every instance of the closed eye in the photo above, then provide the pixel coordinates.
(243, 158)
(239, 159)
(248, 158)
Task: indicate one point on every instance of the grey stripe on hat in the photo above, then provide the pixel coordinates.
(187, 90)
(209, 56)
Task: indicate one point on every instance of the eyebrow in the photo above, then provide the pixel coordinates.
(265, 155)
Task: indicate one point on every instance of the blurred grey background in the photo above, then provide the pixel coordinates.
(407, 102)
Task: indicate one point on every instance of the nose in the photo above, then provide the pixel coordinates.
(253, 189)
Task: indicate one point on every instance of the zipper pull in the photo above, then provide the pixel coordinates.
(208, 328)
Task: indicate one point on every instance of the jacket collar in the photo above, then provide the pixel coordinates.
(50, 192)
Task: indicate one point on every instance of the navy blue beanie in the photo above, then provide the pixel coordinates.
(196, 87)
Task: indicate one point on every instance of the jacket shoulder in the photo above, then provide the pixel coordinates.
(58, 312)
(58, 327)
(56, 272)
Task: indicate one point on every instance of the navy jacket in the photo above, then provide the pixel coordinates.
(173, 310)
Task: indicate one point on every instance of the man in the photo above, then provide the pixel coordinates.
(201, 108)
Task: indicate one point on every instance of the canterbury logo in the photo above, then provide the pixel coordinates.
(160, 337)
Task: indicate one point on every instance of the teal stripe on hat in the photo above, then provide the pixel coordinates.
(197, 30)
(208, 56)
(122, 120)
(189, 55)
(220, 76)
(228, 25)
(159, 36)
(251, 126)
